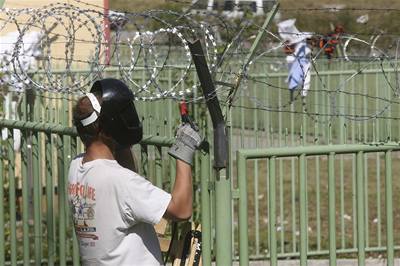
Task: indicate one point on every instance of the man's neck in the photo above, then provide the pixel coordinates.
(97, 150)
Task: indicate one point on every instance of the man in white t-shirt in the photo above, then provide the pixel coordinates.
(113, 208)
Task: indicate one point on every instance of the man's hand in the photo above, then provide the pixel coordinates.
(187, 141)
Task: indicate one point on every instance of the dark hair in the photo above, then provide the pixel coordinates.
(92, 132)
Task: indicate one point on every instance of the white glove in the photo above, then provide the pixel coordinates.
(187, 141)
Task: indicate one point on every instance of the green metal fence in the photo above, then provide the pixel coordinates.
(297, 228)
(35, 222)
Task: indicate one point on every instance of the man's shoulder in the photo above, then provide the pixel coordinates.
(114, 168)
(75, 162)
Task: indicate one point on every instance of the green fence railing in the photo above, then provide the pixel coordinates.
(260, 118)
(299, 226)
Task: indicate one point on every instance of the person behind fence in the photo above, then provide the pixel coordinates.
(113, 208)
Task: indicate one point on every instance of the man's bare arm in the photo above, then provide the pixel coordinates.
(180, 206)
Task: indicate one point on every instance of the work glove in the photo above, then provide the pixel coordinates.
(186, 143)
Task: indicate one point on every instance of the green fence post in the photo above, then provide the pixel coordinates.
(25, 198)
(389, 208)
(66, 154)
(243, 223)
(51, 243)
(223, 222)
(303, 209)
(12, 199)
(205, 210)
(61, 202)
(332, 209)
(25, 186)
(360, 209)
(36, 198)
(272, 213)
(75, 244)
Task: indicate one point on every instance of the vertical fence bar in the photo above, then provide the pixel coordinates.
(2, 233)
(360, 209)
(223, 198)
(256, 180)
(281, 206)
(12, 199)
(352, 109)
(50, 202)
(303, 209)
(293, 193)
(144, 158)
(366, 203)
(272, 213)
(318, 192)
(365, 107)
(75, 247)
(281, 175)
(342, 139)
(61, 202)
(378, 165)
(37, 181)
(25, 184)
(389, 208)
(205, 210)
(342, 201)
(354, 198)
(332, 209)
(389, 110)
(243, 223)
(36, 198)
(229, 169)
(378, 199)
(25, 198)
(293, 181)
(66, 157)
(158, 166)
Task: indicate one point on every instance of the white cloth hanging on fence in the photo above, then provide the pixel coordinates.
(299, 65)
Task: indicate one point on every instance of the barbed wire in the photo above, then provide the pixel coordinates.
(150, 52)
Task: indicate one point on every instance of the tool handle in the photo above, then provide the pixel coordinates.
(183, 109)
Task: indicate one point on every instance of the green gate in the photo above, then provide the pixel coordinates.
(333, 200)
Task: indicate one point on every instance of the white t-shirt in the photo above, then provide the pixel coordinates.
(114, 210)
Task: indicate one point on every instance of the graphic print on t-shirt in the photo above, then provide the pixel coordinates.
(82, 197)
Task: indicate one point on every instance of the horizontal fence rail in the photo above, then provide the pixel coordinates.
(321, 201)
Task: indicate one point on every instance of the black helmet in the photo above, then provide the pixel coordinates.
(118, 116)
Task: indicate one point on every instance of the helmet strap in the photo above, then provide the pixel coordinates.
(94, 101)
(87, 121)
(96, 106)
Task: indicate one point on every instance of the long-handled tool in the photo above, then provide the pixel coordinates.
(183, 109)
